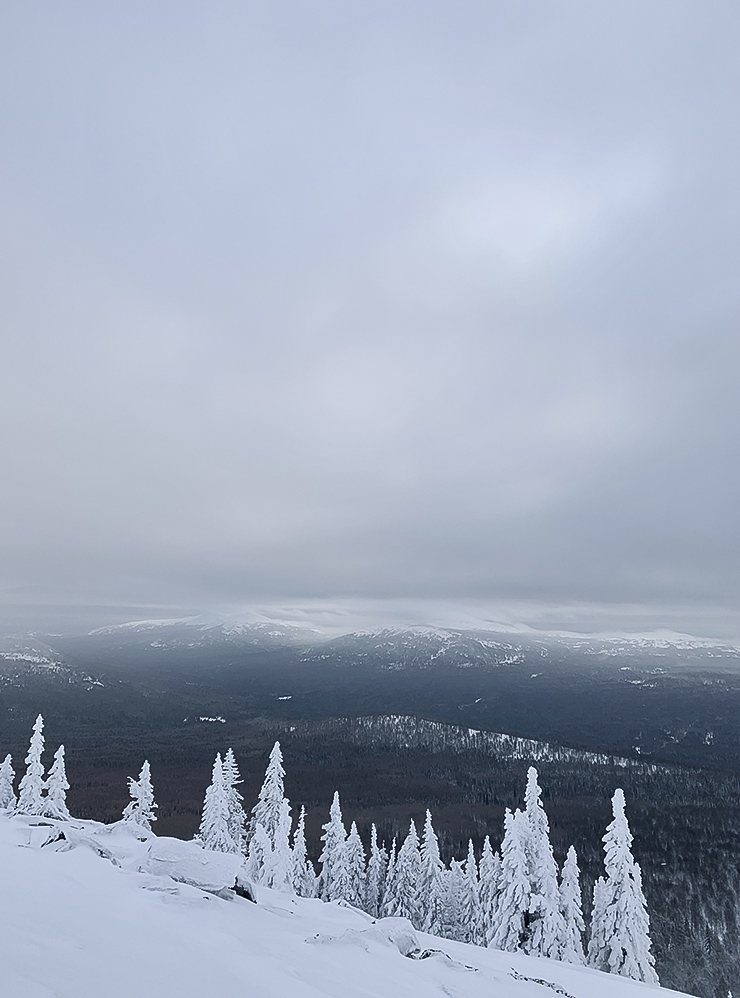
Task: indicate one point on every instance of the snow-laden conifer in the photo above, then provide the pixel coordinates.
(304, 877)
(571, 908)
(237, 818)
(334, 875)
(269, 811)
(278, 872)
(545, 931)
(406, 902)
(55, 802)
(214, 832)
(7, 793)
(259, 856)
(452, 902)
(472, 922)
(355, 868)
(431, 885)
(620, 926)
(31, 787)
(141, 809)
(512, 907)
(389, 890)
(489, 875)
(377, 865)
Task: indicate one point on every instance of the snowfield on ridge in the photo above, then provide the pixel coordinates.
(111, 910)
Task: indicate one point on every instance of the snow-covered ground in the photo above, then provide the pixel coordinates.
(98, 915)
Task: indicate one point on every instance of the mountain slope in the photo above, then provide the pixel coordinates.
(75, 925)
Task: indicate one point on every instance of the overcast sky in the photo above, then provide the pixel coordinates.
(375, 298)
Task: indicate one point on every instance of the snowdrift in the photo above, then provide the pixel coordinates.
(96, 911)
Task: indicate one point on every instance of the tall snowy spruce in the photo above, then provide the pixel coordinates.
(237, 818)
(389, 888)
(271, 813)
(545, 930)
(512, 906)
(303, 875)
(214, 832)
(141, 809)
(489, 877)
(452, 904)
(7, 793)
(355, 868)
(572, 910)
(31, 787)
(55, 804)
(334, 875)
(406, 901)
(472, 922)
(377, 865)
(431, 885)
(620, 926)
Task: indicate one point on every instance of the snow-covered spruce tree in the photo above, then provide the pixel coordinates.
(431, 884)
(334, 875)
(489, 875)
(355, 868)
(278, 872)
(571, 908)
(141, 809)
(214, 832)
(237, 818)
(452, 902)
(304, 877)
(31, 787)
(545, 930)
(7, 793)
(377, 865)
(55, 803)
(259, 856)
(389, 888)
(512, 907)
(406, 902)
(268, 809)
(620, 926)
(472, 922)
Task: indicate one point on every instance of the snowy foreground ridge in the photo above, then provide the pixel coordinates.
(106, 911)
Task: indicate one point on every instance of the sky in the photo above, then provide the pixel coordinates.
(411, 300)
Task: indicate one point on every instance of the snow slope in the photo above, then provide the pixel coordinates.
(78, 924)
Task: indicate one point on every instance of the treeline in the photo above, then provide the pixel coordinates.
(517, 900)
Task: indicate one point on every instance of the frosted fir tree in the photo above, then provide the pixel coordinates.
(406, 902)
(259, 856)
(512, 908)
(472, 922)
(452, 904)
(303, 875)
(389, 890)
(237, 818)
(572, 910)
(489, 876)
(141, 809)
(620, 925)
(7, 793)
(377, 866)
(278, 871)
(268, 811)
(31, 787)
(56, 788)
(214, 832)
(545, 932)
(431, 884)
(334, 875)
(355, 868)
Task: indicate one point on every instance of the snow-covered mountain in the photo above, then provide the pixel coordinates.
(91, 910)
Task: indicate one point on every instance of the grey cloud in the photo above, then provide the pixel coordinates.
(411, 299)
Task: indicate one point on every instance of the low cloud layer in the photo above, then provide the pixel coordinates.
(418, 300)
